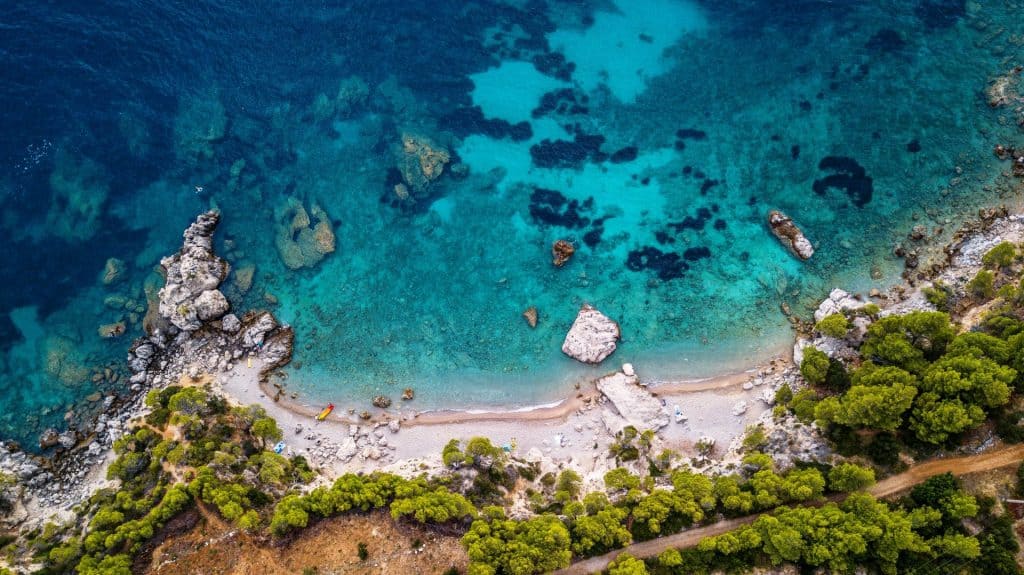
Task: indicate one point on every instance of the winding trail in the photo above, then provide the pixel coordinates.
(917, 474)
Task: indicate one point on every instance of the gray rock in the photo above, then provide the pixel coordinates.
(592, 337)
(67, 439)
(230, 323)
(191, 273)
(211, 304)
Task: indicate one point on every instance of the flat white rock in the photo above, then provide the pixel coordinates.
(634, 403)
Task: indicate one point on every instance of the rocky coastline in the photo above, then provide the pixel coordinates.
(197, 335)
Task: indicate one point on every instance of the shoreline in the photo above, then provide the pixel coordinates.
(557, 410)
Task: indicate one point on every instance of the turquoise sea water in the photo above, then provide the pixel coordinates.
(655, 135)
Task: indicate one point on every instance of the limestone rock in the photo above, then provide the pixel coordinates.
(838, 301)
(230, 323)
(740, 408)
(790, 235)
(394, 425)
(302, 241)
(211, 304)
(637, 406)
(592, 336)
(191, 273)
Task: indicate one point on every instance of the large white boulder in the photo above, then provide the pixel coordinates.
(592, 337)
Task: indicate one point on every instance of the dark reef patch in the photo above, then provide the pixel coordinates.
(914, 146)
(664, 238)
(555, 65)
(707, 185)
(562, 102)
(695, 254)
(849, 176)
(552, 208)
(885, 40)
(667, 266)
(627, 154)
(566, 154)
(940, 13)
(467, 120)
(692, 222)
(691, 134)
(794, 151)
(720, 224)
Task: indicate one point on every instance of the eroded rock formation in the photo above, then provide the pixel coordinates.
(790, 235)
(190, 295)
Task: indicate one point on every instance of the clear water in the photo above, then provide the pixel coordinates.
(120, 123)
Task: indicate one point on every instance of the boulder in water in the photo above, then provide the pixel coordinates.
(592, 337)
(790, 235)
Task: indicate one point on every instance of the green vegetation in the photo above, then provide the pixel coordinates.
(814, 366)
(835, 325)
(1001, 256)
(939, 295)
(983, 285)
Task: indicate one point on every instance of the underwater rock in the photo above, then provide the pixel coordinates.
(112, 271)
(303, 241)
(531, 316)
(190, 294)
(80, 187)
(1003, 90)
(408, 394)
(382, 401)
(62, 361)
(790, 235)
(200, 123)
(561, 251)
(592, 336)
(420, 160)
(112, 329)
(402, 192)
(243, 277)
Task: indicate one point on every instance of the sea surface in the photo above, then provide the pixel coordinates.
(655, 135)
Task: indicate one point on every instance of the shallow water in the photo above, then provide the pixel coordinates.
(655, 135)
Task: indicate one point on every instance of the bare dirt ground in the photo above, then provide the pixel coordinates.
(327, 548)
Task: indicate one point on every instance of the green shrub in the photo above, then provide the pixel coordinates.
(1001, 256)
(847, 477)
(361, 550)
(938, 295)
(835, 325)
(814, 366)
(982, 286)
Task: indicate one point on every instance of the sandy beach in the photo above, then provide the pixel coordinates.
(574, 432)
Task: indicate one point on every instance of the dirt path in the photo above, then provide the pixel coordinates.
(917, 474)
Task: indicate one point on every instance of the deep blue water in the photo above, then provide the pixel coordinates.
(656, 135)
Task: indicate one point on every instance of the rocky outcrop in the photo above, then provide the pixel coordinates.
(561, 252)
(838, 301)
(190, 295)
(790, 235)
(634, 403)
(113, 271)
(420, 161)
(592, 337)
